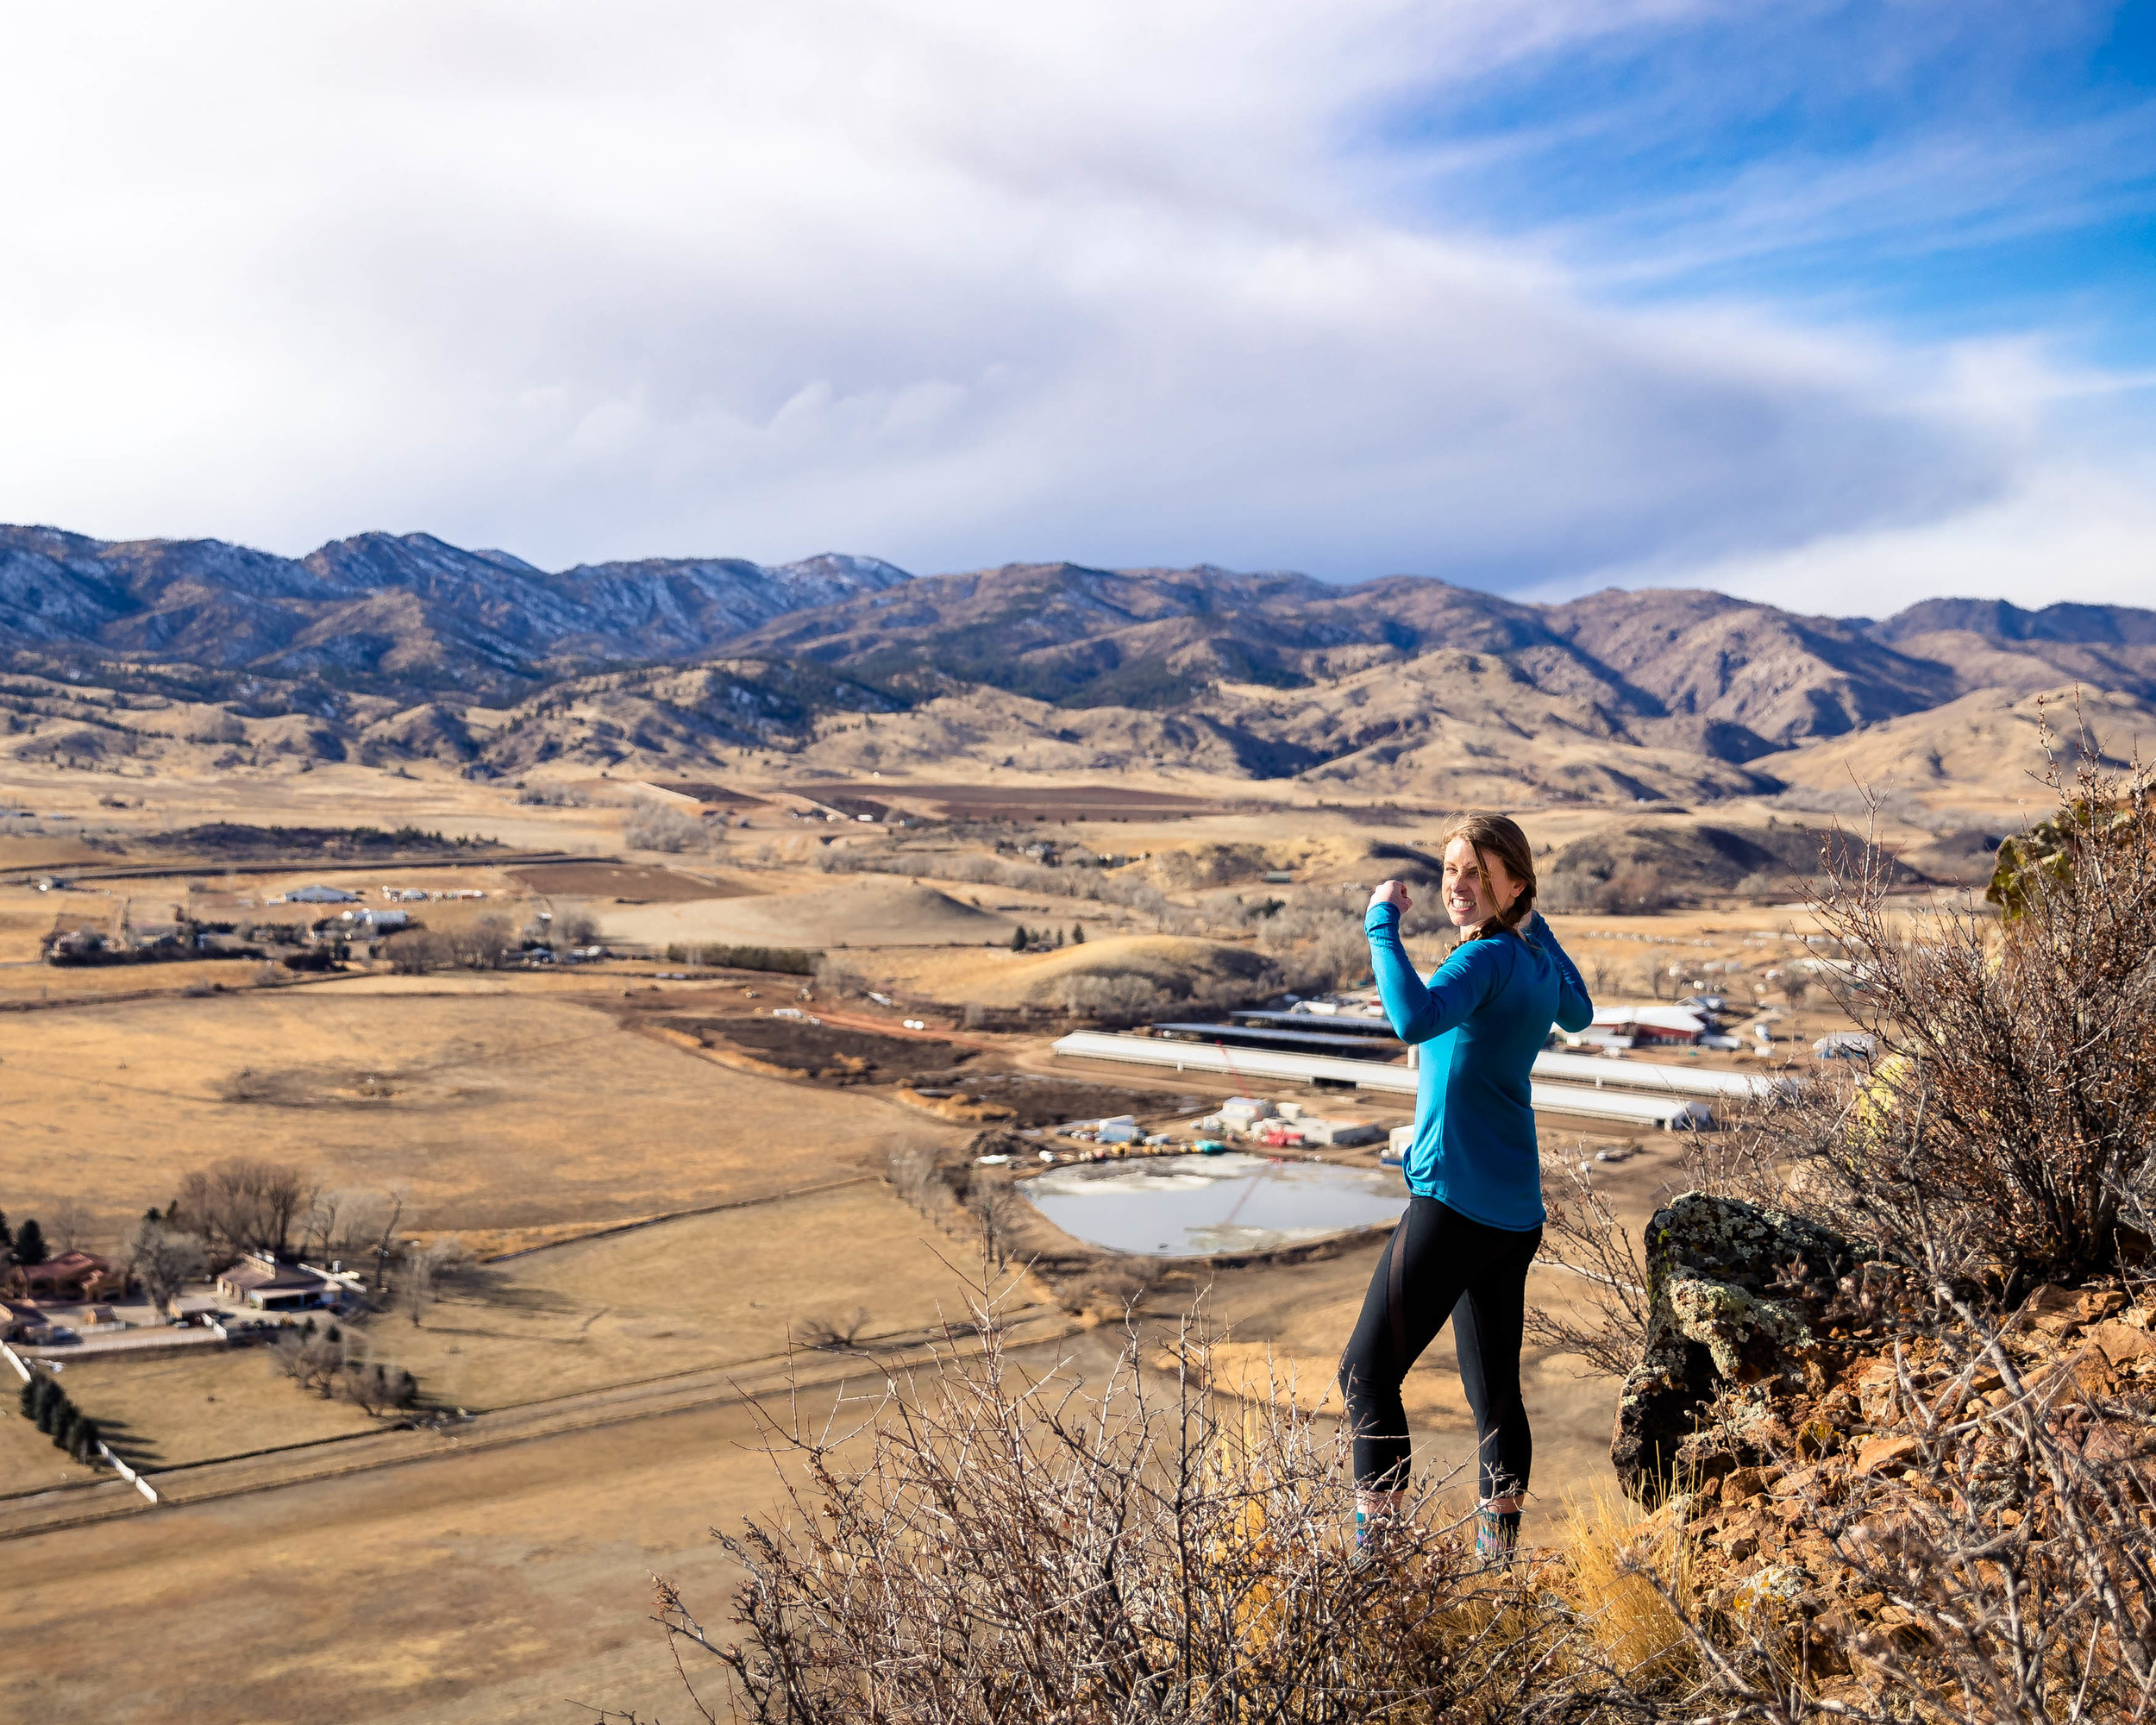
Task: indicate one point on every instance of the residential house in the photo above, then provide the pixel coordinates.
(70, 1278)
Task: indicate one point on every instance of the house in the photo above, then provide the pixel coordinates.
(70, 1278)
(17, 1319)
(260, 1281)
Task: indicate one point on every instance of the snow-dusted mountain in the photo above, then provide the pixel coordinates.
(390, 609)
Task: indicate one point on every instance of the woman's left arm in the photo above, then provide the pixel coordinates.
(1574, 1011)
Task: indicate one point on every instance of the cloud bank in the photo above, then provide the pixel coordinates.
(952, 284)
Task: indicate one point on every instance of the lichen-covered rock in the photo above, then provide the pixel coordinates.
(1736, 1297)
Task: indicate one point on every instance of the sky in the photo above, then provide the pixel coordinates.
(1834, 305)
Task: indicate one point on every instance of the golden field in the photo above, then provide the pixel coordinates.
(519, 1109)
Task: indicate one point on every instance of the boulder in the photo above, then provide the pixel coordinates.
(1737, 1295)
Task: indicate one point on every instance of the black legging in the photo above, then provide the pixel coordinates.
(1479, 1275)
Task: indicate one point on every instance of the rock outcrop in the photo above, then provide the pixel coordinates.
(1738, 1297)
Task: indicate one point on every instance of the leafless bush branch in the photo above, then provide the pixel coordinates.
(1582, 1236)
(976, 1543)
(2009, 1107)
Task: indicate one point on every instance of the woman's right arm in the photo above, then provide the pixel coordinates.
(1420, 1010)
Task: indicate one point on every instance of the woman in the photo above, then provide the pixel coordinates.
(1475, 1215)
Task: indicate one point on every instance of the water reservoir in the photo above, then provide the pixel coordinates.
(1183, 1206)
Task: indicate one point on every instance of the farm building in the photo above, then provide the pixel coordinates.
(260, 1281)
(1643, 1028)
(320, 895)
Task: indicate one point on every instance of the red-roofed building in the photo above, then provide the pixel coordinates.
(69, 1279)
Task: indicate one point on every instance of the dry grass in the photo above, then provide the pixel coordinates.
(1603, 1544)
(506, 1110)
(702, 1291)
(466, 1590)
(868, 910)
(200, 1404)
(28, 1460)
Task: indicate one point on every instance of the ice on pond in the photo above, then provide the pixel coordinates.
(1184, 1206)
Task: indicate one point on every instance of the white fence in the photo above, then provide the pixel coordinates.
(119, 1467)
(128, 1473)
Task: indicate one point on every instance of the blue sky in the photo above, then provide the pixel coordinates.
(1946, 171)
(1832, 305)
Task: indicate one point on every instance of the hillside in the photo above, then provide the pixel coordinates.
(387, 650)
(386, 613)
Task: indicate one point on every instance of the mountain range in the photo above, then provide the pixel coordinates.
(391, 647)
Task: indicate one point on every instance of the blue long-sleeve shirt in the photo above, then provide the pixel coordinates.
(1482, 1018)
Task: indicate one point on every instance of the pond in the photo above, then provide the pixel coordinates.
(1185, 1205)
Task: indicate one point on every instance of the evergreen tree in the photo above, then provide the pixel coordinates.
(7, 1235)
(1059, 937)
(87, 1437)
(64, 1424)
(29, 1243)
(49, 1404)
(1077, 934)
(29, 1397)
(1020, 940)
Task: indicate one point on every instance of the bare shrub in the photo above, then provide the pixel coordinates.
(312, 1359)
(651, 827)
(1125, 999)
(244, 1205)
(484, 945)
(1582, 1235)
(1102, 886)
(836, 977)
(552, 796)
(68, 1226)
(415, 951)
(423, 1272)
(374, 1388)
(1318, 943)
(831, 1333)
(2010, 1105)
(910, 1165)
(988, 1545)
(166, 1259)
(574, 926)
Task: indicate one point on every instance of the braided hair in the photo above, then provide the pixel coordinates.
(1500, 836)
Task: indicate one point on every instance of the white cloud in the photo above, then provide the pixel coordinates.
(950, 284)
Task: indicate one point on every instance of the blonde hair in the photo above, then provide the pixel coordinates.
(1500, 836)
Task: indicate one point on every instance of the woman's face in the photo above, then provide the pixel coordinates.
(1468, 897)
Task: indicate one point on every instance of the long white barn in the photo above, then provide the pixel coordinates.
(1652, 1104)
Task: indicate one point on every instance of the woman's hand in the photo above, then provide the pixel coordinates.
(1392, 892)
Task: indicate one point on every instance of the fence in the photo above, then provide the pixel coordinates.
(128, 1473)
(119, 1467)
